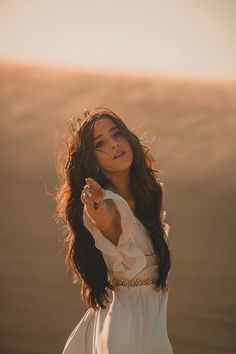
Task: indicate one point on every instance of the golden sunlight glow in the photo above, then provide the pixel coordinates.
(168, 37)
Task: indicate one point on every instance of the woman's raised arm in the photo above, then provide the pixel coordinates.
(103, 213)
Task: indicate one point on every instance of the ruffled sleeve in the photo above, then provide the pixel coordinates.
(126, 256)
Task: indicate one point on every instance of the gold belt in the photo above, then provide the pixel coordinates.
(137, 282)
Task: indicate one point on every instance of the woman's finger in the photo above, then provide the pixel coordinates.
(90, 193)
(85, 199)
(93, 184)
(88, 190)
(87, 193)
(93, 192)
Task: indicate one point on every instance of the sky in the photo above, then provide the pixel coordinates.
(193, 38)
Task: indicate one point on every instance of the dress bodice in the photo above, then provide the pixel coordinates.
(134, 252)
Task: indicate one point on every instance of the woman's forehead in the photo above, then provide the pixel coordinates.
(103, 124)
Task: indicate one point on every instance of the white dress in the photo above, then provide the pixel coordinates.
(134, 322)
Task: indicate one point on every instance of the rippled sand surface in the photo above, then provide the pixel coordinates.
(193, 128)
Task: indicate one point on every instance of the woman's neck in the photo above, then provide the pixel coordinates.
(120, 184)
(122, 192)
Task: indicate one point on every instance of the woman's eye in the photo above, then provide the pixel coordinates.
(117, 133)
(99, 144)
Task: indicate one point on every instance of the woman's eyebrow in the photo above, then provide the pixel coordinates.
(113, 128)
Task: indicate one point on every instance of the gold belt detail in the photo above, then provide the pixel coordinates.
(137, 282)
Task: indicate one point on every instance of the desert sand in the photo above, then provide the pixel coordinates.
(191, 126)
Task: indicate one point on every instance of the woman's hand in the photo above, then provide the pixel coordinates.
(92, 193)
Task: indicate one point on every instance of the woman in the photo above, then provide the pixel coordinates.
(111, 203)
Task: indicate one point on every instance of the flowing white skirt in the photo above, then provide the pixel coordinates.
(133, 323)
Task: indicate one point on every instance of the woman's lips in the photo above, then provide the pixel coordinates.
(121, 154)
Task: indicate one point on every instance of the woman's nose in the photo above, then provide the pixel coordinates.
(114, 144)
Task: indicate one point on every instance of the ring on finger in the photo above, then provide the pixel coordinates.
(90, 194)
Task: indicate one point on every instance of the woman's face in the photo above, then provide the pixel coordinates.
(112, 151)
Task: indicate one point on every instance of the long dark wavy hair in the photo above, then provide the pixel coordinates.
(83, 258)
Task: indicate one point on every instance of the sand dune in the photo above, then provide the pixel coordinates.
(193, 124)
